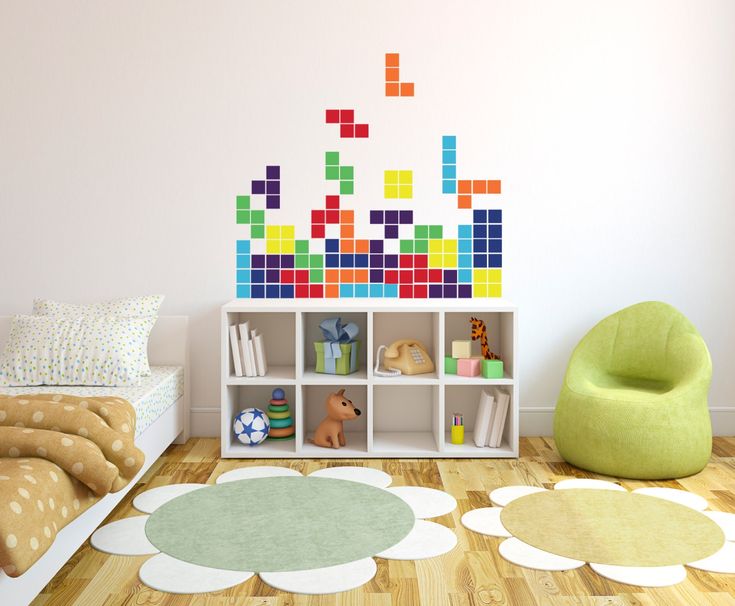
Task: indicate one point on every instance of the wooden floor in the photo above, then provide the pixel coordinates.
(472, 574)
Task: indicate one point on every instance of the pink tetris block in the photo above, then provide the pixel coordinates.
(469, 367)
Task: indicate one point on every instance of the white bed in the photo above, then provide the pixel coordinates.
(162, 410)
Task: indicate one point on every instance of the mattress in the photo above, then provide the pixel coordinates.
(150, 399)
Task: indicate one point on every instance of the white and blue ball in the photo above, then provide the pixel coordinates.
(251, 426)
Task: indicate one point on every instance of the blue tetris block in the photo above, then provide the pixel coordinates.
(287, 291)
(480, 245)
(361, 260)
(464, 276)
(480, 231)
(331, 246)
(391, 290)
(376, 290)
(449, 142)
(257, 291)
(243, 246)
(449, 157)
(495, 216)
(346, 290)
(331, 260)
(243, 276)
(449, 171)
(464, 261)
(257, 276)
(243, 291)
(479, 260)
(272, 291)
(465, 246)
(449, 186)
(494, 260)
(464, 231)
(361, 290)
(346, 260)
(494, 246)
(243, 261)
(479, 216)
(494, 231)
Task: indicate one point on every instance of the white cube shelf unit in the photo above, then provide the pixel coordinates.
(404, 416)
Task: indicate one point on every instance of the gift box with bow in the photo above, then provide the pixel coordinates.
(337, 354)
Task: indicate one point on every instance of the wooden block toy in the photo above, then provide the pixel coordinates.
(492, 369)
(450, 366)
(468, 367)
(461, 349)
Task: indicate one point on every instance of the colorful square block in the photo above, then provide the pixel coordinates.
(450, 365)
(492, 369)
(468, 367)
(462, 349)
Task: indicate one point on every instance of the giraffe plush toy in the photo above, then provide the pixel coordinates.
(479, 331)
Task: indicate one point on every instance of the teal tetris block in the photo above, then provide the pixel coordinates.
(492, 369)
(450, 365)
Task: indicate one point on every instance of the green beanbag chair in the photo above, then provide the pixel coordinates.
(634, 399)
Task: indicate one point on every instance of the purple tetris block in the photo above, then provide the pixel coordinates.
(376, 275)
(450, 276)
(273, 261)
(450, 291)
(406, 217)
(376, 217)
(273, 187)
(376, 260)
(258, 261)
(435, 291)
(391, 217)
(391, 261)
(287, 261)
(273, 201)
(391, 231)
(272, 275)
(257, 187)
(376, 246)
(465, 291)
(272, 172)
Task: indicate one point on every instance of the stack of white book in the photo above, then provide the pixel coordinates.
(491, 414)
(248, 351)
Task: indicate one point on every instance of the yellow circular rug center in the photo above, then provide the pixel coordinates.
(611, 527)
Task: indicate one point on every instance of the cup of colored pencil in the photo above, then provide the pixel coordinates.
(457, 428)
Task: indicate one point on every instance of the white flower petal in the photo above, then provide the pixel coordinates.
(364, 475)
(523, 554)
(425, 502)
(500, 497)
(485, 521)
(164, 573)
(250, 473)
(426, 540)
(330, 579)
(722, 561)
(587, 483)
(726, 521)
(683, 497)
(152, 499)
(644, 576)
(124, 537)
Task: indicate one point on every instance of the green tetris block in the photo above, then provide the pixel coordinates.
(316, 275)
(492, 369)
(435, 231)
(347, 172)
(421, 231)
(331, 158)
(346, 187)
(407, 246)
(301, 261)
(316, 261)
(243, 203)
(331, 173)
(257, 231)
(243, 216)
(302, 246)
(257, 217)
(421, 246)
(450, 365)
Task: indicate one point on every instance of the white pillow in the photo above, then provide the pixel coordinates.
(140, 307)
(48, 350)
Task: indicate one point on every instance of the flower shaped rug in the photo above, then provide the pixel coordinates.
(643, 538)
(314, 535)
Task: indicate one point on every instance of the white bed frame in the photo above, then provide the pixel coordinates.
(168, 345)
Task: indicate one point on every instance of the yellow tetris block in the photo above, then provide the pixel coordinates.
(450, 260)
(391, 191)
(479, 276)
(273, 247)
(273, 232)
(450, 246)
(287, 232)
(287, 247)
(479, 289)
(405, 177)
(461, 349)
(435, 246)
(435, 260)
(495, 275)
(495, 290)
(405, 191)
(391, 177)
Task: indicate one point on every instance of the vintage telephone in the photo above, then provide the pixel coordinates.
(406, 357)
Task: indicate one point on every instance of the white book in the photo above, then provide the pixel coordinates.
(491, 421)
(248, 362)
(260, 360)
(235, 347)
(503, 403)
(482, 419)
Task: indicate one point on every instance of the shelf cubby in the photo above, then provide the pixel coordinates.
(407, 416)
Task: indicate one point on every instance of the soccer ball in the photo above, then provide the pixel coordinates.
(251, 426)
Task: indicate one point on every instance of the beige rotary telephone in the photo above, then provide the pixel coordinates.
(406, 357)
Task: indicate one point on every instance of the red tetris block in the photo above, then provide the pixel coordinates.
(332, 202)
(332, 216)
(405, 291)
(406, 276)
(302, 291)
(421, 275)
(317, 230)
(317, 216)
(347, 116)
(391, 276)
(435, 275)
(421, 261)
(287, 276)
(405, 261)
(316, 291)
(362, 131)
(302, 276)
(347, 131)
(420, 291)
(332, 116)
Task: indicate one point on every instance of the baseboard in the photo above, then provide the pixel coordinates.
(534, 421)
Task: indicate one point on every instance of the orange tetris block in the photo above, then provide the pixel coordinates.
(361, 276)
(479, 187)
(464, 201)
(362, 246)
(347, 246)
(347, 231)
(493, 187)
(464, 187)
(331, 276)
(347, 276)
(392, 74)
(332, 291)
(391, 59)
(347, 216)
(406, 89)
(392, 89)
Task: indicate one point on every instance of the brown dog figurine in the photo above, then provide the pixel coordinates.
(330, 432)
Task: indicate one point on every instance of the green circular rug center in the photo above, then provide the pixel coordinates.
(279, 524)
(611, 527)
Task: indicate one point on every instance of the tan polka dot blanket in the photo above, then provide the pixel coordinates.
(58, 456)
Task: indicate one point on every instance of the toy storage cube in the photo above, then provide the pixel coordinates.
(492, 369)
(450, 365)
(468, 367)
(461, 349)
(343, 365)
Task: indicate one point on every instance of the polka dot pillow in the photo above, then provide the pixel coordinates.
(50, 350)
(141, 307)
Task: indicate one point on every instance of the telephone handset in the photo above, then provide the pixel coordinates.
(407, 356)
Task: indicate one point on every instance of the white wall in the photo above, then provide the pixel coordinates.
(127, 129)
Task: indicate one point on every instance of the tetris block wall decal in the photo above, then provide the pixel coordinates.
(339, 257)
(393, 85)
